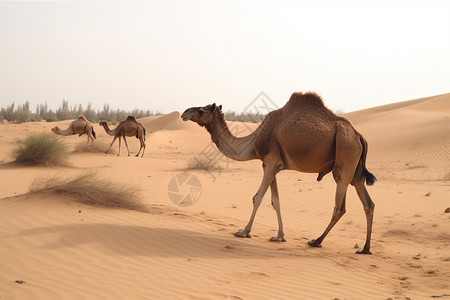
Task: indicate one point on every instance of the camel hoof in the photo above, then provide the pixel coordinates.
(276, 239)
(364, 252)
(314, 243)
(243, 234)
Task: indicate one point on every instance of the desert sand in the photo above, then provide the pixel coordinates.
(53, 247)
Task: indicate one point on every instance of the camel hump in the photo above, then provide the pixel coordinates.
(131, 118)
(82, 117)
(309, 98)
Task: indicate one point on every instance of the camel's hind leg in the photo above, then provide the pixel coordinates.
(142, 147)
(369, 207)
(90, 136)
(348, 153)
(269, 174)
(338, 212)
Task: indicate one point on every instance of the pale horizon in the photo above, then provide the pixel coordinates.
(167, 56)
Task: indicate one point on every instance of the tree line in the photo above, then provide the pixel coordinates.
(22, 113)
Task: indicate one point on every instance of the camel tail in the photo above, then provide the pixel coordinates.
(366, 175)
(93, 133)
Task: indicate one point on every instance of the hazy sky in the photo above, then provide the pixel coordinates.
(170, 55)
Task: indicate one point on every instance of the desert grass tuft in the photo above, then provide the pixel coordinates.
(40, 150)
(92, 189)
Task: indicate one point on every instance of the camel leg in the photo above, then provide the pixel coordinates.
(276, 205)
(348, 154)
(114, 139)
(120, 144)
(90, 136)
(145, 146)
(142, 147)
(368, 209)
(269, 174)
(126, 144)
(339, 209)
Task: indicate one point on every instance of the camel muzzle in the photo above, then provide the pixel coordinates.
(186, 117)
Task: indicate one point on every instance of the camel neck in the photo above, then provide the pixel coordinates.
(109, 131)
(236, 148)
(68, 131)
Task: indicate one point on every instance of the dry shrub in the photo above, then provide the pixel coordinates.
(40, 150)
(92, 189)
(95, 147)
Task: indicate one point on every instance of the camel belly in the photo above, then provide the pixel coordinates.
(309, 164)
(309, 158)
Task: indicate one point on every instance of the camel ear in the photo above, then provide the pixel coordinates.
(213, 107)
(220, 107)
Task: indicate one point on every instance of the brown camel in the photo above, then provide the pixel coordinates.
(129, 127)
(304, 136)
(80, 126)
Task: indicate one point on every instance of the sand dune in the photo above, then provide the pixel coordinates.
(170, 121)
(409, 135)
(53, 247)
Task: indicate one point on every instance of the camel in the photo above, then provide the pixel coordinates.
(129, 127)
(80, 126)
(304, 136)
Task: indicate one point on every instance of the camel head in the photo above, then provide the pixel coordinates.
(56, 129)
(103, 123)
(203, 116)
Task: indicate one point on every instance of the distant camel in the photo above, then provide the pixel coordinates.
(129, 127)
(304, 136)
(80, 126)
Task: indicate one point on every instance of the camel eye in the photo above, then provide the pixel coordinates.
(200, 112)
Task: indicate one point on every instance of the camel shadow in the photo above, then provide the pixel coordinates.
(147, 241)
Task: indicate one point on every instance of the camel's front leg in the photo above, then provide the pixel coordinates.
(126, 144)
(276, 205)
(120, 144)
(114, 139)
(269, 174)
